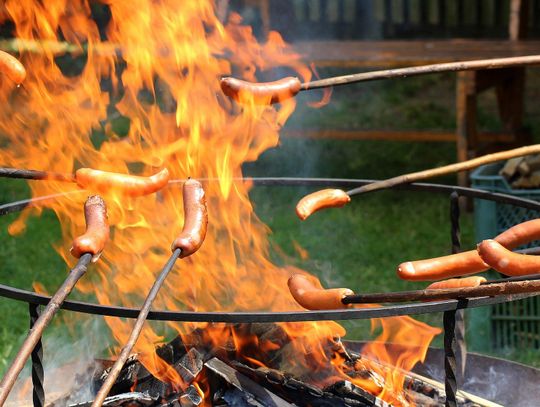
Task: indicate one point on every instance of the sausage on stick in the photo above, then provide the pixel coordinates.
(469, 262)
(12, 68)
(507, 262)
(264, 93)
(94, 239)
(473, 281)
(130, 185)
(190, 239)
(326, 198)
(311, 297)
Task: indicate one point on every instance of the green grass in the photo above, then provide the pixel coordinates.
(357, 246)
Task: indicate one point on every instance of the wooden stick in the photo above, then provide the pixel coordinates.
(55, 47)
(447, 169)
(485, 290)
(422, 70)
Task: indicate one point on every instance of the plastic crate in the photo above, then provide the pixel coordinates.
(515, 325)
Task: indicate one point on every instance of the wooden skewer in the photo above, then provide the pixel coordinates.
(447, 169)
(494, 63)
(488, 289)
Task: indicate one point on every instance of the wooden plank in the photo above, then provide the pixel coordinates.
(391, 135)
(402, 53)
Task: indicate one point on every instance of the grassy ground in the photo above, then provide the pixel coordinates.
(357, 246)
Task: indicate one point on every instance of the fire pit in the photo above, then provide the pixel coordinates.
(231, 381)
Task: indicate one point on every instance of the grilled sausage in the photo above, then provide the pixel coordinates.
(97, 229)
(11, 66)
(195, 219)
(466, 263)
(473, 281)
(506, 261)
(263, 93)
(325, 198)
(130, 185)
(313, 298)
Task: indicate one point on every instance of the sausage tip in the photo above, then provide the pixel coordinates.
(406, 271)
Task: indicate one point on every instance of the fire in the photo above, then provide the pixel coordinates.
(156, 65)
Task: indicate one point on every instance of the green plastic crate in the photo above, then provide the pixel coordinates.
(515, 325)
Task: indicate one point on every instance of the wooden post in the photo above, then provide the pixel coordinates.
(465, 120)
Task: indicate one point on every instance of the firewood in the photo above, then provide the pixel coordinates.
(510, 168)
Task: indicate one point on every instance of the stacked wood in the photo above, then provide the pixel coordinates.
(522, 172)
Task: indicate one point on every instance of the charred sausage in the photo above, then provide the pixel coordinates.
(97, 229)
(195, 219)
(325, 198)
(12, 68)
(466, 263)
(263, 93)
(506, 261)
(473, 281)
(130, 185)
(311, 297)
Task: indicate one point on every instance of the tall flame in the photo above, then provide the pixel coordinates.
(156, 65)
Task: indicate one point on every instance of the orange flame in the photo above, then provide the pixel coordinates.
(157, 67)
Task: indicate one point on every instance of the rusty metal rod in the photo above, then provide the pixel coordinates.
(447, 169)
(487, 289)
(34, 335)
(137, 329)
(494, 63)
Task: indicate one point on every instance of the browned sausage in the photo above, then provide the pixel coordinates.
(195, 219)
(130, 185)
(97, 229)
(11, 66)
(473, 281)
(466, 263)
(506, 261)
(325, 198)
(312, 297)
(263, 93)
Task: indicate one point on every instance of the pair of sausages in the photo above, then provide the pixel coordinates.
(189, 241)
(12, 68)
(264, 93)
(129, 185)
(470, 262)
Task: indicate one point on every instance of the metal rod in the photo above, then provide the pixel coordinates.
(8, 172)
(494, 63)
(483, 290)
(137, 328)
(34, 335)
(38, 393)
(447, 169)
(450, 382)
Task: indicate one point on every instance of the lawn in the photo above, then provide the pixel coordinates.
(358, 246)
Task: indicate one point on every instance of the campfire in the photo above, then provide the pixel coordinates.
(157, 65)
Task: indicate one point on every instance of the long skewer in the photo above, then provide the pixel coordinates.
(330, 198)
(275, 92)
(187, 243)
(92, 243)
(487, 289)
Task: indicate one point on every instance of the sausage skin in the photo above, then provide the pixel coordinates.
(263, 93)
(311, 297)
(473, 281)
(325, 198)
(507, 262)
(195, 219)
(97, 229)
(469, 262)
(130, 185)
(12, 68)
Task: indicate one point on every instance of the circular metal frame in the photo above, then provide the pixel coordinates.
(297, 316)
